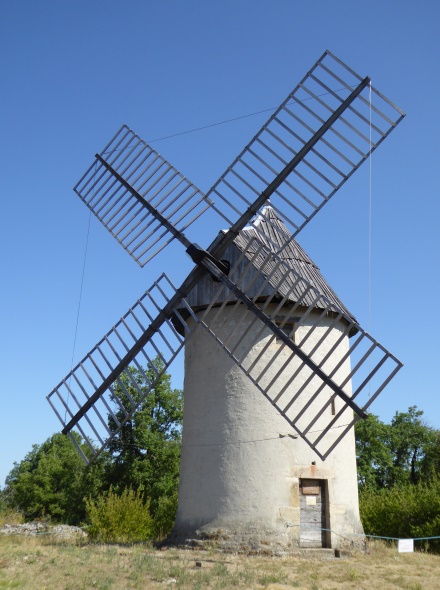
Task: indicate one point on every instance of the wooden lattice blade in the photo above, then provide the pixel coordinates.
(94, 398)
(325, 163)
(154, 180)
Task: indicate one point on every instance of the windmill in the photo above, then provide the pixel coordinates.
(271, 353)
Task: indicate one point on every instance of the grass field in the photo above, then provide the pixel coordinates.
(46, 564)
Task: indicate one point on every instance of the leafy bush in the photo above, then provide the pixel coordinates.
(123, 518)
(408, 511)
(164, 516)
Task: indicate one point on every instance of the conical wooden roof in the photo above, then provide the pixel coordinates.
(275, 236)
(280, 240)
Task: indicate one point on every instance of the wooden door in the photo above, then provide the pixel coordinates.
(312, 506)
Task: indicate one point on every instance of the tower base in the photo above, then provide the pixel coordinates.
(258, 541)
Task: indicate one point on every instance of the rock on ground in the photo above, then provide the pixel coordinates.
(39, 528)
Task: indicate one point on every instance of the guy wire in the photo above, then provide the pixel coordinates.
(78, 311)
(370, 217)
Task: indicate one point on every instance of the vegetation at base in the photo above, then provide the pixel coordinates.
(164, 516)
(10, 516)
(140, 466)
(119, 518)
(399, 477)
(52, 481)
(403, 511)
(125, 517)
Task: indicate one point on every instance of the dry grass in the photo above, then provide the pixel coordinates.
(43, 563)
(10, 517)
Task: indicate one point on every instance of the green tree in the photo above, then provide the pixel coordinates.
(411, 440)
(145, 453)
(431, 460)
(52, 481)
(374, 459)
(402, 452)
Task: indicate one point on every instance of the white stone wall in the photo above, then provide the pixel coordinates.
(237, 473)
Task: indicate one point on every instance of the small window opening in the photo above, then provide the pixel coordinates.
(288, 328)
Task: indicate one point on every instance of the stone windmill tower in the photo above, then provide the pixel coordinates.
(247, 479)
(277, 370)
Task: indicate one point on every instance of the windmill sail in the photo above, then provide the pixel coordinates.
(322, 130)
(88, 400)
(155, 181)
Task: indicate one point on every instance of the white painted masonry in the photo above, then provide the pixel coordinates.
(240, 471)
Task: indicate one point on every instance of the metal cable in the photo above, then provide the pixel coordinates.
(78, 310)
(228, 120)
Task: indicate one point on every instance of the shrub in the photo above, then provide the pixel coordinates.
(123, 518)
(408, 511)
(164, 516)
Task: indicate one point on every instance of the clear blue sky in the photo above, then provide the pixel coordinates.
(72, 72)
